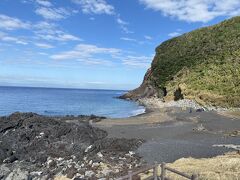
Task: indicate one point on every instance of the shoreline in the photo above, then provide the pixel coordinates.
(164, 134)
(182, 127)
(156, 104)
(152, 105)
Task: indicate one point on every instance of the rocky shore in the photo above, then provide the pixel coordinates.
(154, 103)
(183, 130)
(39, 147)
(91, 147)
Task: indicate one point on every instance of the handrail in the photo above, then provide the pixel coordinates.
(131, 174)
(143, 170)
(178, 172)
(164, 168)
(155, 170)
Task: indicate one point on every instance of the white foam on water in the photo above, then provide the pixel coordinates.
(138, 112)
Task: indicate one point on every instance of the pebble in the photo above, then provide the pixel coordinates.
(59, 159)
(42, 133)
(122, 158)
(95, 164)
(90, 162)
(99, 154)
(184, 103)
(88, 148)
(18, 174)
(36, 173)
(131, 152)
(106, 171)
(200, 128)
(49, 162)
(89, 173)
(4, 170)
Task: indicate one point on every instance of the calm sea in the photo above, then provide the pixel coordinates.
(53, 102)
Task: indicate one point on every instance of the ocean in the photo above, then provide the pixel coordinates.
(60, 102)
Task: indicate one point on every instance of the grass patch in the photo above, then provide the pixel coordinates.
(205, 61)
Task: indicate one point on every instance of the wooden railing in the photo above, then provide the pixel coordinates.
(146, 169)
(164, 168)
(155, 176)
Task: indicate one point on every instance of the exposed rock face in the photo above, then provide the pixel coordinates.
(203, 65)
(144, 91)
(34, 138)
(34, 147)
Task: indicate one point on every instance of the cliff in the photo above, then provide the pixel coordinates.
(203, 65)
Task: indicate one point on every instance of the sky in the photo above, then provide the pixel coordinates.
(94, 44)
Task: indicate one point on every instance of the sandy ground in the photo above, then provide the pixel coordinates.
(151, 117)
(223, 167)
(174, 133)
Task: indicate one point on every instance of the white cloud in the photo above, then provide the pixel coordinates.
(5, 37)
(121, 22)
(44, 3)
(133, 40)
(59, 36)
(43, 53)
(43, 25)
(68, 37)
(85, 52)
(93, 55)
(195, 10)
(128, 39)
(75, 11)
(52, 13)
(148, 37)
(10, 23)
(44, 45)
(95, 6)
(94, 61)
(126, 30)
(102, 7)
(24, 1)
(174, 34)
(137, 61)
(123, 25)
(96, 82)
(50, 31)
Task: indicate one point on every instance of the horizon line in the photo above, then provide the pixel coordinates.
(76, 88)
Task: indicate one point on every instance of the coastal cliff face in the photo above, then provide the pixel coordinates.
(203, 65)
(146, 89)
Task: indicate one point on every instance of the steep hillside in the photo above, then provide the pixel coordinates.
(203, 65)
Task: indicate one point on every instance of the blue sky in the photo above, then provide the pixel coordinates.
(106, 44)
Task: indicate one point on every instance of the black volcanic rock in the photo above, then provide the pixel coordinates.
(33, 137)
(38, 146)
(145, 90)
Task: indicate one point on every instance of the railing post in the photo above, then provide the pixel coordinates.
(194, 177)
(163, 172)
(155, 171)
(130, 175)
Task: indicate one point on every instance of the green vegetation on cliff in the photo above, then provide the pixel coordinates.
(203, 65)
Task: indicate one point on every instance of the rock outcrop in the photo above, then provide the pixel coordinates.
(145, 90)
(203, 65)
(39, 147)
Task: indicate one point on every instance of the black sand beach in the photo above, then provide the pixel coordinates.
(177, 133)
(91, 147)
